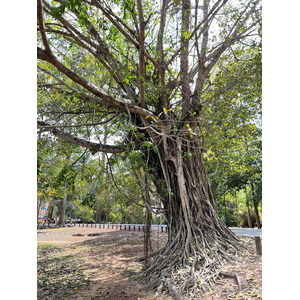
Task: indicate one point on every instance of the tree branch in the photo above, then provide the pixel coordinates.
(42, 26)
(208, 18)
(79, 125)
(184, 58)
(141, 53)
(96, 90)
(93, 147)
(127, 36)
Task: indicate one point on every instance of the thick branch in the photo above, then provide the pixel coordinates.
(159, 46)
(184, 59)
(94, 89)
(232, 38)
(208, 18)
(79, 125)
(93, 147)
(127, 36)
(100, 51)
(141, 53)
(42, 26)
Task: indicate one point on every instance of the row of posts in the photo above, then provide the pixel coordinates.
(121, 227)
(125, 227)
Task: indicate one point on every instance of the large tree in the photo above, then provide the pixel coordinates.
(138, 75)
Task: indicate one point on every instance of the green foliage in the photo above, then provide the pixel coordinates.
(89, 199)
(95, 50)
(67, 176)
(84, 213)
(137, 159)
(233, 133)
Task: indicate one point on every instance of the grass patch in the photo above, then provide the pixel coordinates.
(59, 274)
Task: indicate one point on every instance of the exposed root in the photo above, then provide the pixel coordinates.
(182, 269)
(174, 291)
(199, 243)
(149, 256)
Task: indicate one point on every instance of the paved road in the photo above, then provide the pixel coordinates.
(237, 230)
(247, 231)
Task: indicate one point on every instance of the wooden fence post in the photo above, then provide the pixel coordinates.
(258, 245)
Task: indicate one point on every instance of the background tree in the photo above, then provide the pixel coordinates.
(144, 69)
(234, 132)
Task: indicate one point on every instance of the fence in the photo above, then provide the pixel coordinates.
(133, 227)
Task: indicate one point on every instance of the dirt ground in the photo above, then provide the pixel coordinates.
(106, 267)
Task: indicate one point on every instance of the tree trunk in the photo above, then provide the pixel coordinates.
(248, 211)
(50, 209)
(62, 212)
(252, 191)
(257, 216)
(236, 208)
(38, 211)
(255, 206)
(225, 210)
(197, 237)
(249, 216)
(147, 235)
(98, 213)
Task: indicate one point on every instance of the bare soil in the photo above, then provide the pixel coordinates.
(106, 267)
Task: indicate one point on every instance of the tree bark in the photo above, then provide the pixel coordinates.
(197, 237)
(257, 216)
(255, 206)
(225, 208)
(236, 208)
(248, 211)
(258, 245)
(38, 211)
(62, 212)
(98, 213)
(50, 209)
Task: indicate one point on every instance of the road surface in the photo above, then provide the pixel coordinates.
(247, 231)
(239, 231)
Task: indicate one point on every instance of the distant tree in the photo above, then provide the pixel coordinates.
(234, 131)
